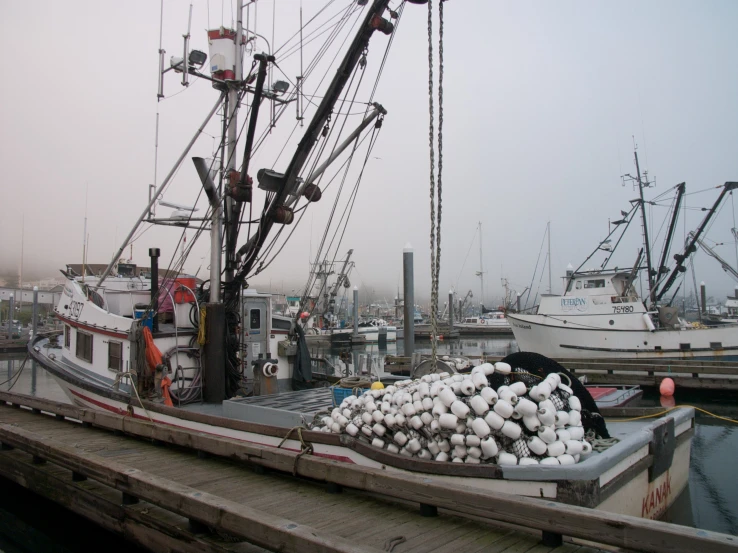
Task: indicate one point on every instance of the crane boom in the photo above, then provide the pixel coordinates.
(724, 264)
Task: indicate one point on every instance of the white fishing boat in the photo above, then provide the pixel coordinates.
(223, 363)
(492, 322)
(600, 314)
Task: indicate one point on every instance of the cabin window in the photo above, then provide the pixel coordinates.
(84, 346)
(281, 324)
(716, 345)
(67, 336)
(598, 283)
(685, 347)
(579, 285)
(115, 356)
(255, 319)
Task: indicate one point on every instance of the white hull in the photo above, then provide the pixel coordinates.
(550, 337)
(636, 497)
(370, 334)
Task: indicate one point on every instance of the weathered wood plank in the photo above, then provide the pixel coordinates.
(255, 526)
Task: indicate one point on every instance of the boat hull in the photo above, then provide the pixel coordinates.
(615, 481)
(536, 333)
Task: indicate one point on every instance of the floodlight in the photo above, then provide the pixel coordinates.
(280, 87)
(197, 58)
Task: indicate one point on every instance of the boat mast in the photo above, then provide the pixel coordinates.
(641, 184)
(480, 273)
(549, 259)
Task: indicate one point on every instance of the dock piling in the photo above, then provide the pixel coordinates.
(409, 294)
(34, 318)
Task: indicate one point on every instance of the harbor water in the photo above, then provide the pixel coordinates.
(710, 502)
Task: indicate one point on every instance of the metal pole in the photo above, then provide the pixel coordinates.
(356, 311)
(34, 318)
(549, 258)
(450, 310)
(409, 292)
(154, 255)
(232, 138)
(159, 190)
(703, 298)
(11, 312)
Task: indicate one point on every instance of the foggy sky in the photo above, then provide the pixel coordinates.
(541, 101)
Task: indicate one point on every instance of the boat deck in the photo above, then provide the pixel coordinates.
(349, 521)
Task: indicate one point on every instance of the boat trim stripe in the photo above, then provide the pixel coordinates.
(92, 328)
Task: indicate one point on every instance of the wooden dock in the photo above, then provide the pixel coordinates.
(171, 489)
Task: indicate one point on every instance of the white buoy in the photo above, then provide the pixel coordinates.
(352, 429)
(425, 455)
(448, 420)
(503, 408)
(460, 428)
(504, 458)
(511, 430)
(418, 406)
(481, 428)
(532, 423)
(574, 447)
(556, 448)
(519, 388)
(367, 431)
(528, 461)
(460, 409)
(488, 368)
(433, 448)
(576, 432)
(376, 442)
(400, 438)
(467, 387)
(472, 460)
(562, 419)
(367, 418)
(408, 410)
(474, 452)
(537, 445)
(489, 395)
(546, 416)
(502, 368)
(526, 407)
(508, 395)
(457, 439)
(566, 389)
(392, 448)
(385, 407)
(549, 461)
(444, 446)
(547, 434)
(586, 448)
(413, 445)
(566, 459)
(479, 405)
(435, 427)
(459, 451)
(479, 380)
(427, 404)
(440, 408)
(472, 440)
(378, 416)
(563, 434)
(389, 420)
(575, 404)
(346, 413)
(427, 418)
(379, 429)
(575, 418)
(400, 420)
(494, 420)
(416, 422)
(442, 457)
(489, 448)
(447, 396)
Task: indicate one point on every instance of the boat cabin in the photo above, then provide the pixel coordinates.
(617, 285)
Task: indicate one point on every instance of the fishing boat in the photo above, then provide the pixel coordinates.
(224, 363)
(492, 322)
(600, 314)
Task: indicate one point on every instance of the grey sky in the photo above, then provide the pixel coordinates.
(541, 101)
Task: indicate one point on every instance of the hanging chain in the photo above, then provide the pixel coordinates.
(435, 191)
(434, 296)
(440, 148)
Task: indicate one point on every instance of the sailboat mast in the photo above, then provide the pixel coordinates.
(549, 259)
(647, 244)
(481, 272)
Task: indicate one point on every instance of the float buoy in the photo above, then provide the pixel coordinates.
(667, 387)
(377, 385)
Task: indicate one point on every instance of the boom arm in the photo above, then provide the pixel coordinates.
(724, 264)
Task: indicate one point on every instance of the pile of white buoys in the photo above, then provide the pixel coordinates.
(461, 418)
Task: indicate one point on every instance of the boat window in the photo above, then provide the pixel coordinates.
(84, 346)
(716, 345)
(115, 356)
(685, 347)
(599, 283)
(255, 318)
(281, 324)
(67, 336)
(579, 285)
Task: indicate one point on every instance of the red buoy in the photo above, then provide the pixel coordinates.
(667, 387)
